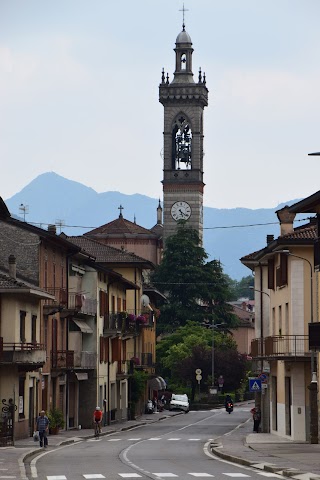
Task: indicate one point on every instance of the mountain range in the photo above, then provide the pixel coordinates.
(229, 234)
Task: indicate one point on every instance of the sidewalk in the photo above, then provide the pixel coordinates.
(268, 452)
(264, 451)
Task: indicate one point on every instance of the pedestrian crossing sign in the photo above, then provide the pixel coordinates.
(255, 384)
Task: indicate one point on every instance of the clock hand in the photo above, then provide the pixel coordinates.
(182, 213)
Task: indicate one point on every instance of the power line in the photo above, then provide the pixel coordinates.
(204, 228)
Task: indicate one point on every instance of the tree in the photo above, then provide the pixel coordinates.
(241, 288)
(190, 347)
(196, 290)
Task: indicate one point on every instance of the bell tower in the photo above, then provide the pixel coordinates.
(183, 100)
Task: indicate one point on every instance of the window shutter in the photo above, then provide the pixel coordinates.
(271, 274)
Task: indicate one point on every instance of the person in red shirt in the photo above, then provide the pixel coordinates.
(97, 417)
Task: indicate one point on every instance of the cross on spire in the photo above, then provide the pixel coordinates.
(183, 10)
(120, 208)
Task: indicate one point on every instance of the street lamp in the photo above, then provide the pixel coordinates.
(313, 387)
(213, 326)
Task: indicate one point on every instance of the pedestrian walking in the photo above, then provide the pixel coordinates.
(42, 425)
(256, 415)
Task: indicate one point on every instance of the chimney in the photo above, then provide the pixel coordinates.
(12, 266)
(270, 239)
(52, 229)
(286, 220)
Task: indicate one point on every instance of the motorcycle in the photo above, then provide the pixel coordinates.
(149, 407)
(229, 407)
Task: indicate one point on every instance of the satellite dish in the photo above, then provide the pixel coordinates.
(145, 300)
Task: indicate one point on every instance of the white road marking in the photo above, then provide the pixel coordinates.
(194, 439)
(134, 439)
(94, 475)
(172, 439)
(155, 438)
(56, 477)
(130, 475)
(165, 475)
(201, 474)
(236, 475)
(269, 474)
(114, 440)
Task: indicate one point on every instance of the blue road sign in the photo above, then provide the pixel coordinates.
(255, 384)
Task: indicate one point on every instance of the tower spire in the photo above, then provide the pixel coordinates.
(183, 10)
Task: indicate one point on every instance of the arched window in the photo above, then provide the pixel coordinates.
(181, 145)
(183, 62)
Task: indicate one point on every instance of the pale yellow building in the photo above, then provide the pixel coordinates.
(285, 303)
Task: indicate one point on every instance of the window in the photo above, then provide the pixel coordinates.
(21, 396)
(22, 326)
(34, 329)
(183, 61)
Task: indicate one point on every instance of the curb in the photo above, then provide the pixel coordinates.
(284, 471)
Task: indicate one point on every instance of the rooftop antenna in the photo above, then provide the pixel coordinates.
(60, 223)
(25, 210)
(183, 10)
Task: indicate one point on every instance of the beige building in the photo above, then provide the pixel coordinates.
(21, 354)
(286, 287)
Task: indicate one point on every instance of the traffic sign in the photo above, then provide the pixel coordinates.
(199, 377)
(255, 384)
(198, 371)
(263, 377)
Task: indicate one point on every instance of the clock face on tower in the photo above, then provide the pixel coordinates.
(181, 211)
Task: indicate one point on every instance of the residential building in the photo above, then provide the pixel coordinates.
(285, 293)
(21, 354)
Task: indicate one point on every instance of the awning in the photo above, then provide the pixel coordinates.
(81, 375)
(84, 327)
(157, 383)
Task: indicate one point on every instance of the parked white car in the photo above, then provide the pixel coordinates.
(179, 402)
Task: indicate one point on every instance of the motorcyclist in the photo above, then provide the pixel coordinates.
(227, 401)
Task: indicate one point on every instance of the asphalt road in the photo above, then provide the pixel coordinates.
(174, 448)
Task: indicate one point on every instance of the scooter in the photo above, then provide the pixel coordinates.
(149, 407)
(229, 407)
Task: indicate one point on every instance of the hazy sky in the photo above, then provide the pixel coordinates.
(79, 94)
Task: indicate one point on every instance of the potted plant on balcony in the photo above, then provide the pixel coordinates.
(56, 421)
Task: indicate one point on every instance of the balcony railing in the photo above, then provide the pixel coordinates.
(125, 323)
(141, 359)
(60, 300)
(281, 346)
(82, 303)
(62, 359)
(22, 353)
(87, 360)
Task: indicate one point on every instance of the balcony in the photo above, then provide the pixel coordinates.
(85, 361)
(82, 303)
(117, 324)
(62, 360)
(58, 304)
(285, 347)
(141, 359)
(124, 324)
(30, 356)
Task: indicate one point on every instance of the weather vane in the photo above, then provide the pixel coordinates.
(183, 10)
